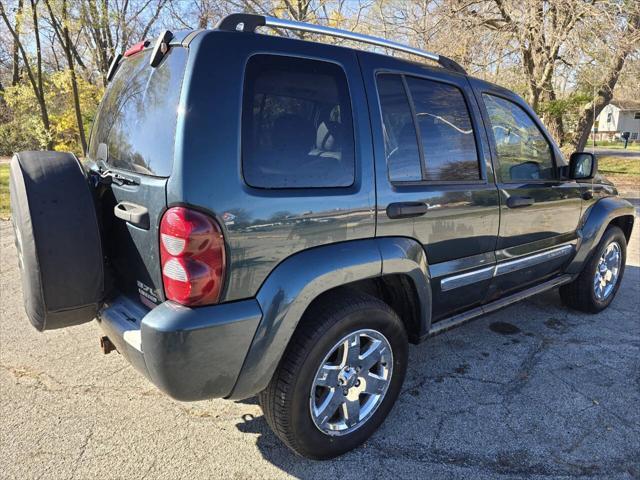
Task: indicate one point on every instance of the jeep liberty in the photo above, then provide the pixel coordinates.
(261, 215)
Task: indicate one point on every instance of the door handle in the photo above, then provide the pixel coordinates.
(406, 209)
(134, 214)
(518, 202)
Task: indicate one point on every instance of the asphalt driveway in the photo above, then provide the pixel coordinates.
(614, 152)
(532, 391)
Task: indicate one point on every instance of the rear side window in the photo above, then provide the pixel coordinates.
(523, 151)
(136, 123)
(400, 140)
(443, 149)
(448, 142)
(297, 127)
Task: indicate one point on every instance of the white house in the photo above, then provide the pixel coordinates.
(618, 117)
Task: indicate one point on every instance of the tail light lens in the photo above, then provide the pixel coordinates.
(192, 256)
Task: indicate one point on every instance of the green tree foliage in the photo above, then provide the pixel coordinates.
(21, 127)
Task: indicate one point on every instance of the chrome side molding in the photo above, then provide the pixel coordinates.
(530, 260)
(509, 266)
(464, 279)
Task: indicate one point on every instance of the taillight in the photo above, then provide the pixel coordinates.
(192, 256)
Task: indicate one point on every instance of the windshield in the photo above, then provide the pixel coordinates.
(135, 126)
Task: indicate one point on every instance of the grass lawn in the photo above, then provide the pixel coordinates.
(613, 165)
(617, 145)
(4, 190)
(624, 172)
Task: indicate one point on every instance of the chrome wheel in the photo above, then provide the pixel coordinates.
(607, 271)
(351, 382)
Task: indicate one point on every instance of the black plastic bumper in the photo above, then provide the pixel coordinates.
(188, 353)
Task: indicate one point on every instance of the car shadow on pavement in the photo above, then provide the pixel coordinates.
(533, 389)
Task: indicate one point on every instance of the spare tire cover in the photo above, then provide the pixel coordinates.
(57, 237)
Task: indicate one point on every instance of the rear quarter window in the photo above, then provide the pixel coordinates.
(136, 123)
(297, 126)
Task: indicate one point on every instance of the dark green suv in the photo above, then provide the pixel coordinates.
(266, 216)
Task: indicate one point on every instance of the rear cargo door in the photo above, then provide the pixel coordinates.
(132, 245)
(133, 138)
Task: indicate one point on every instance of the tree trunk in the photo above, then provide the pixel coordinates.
(74, 82)
(76, 104)
(555, 126)
(15, 67)
(605, 90)
(36, 82)
(602, 98)
(41, 99)
(65, 41)
(552, 119)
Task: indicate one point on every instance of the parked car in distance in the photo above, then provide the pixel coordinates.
(267, 216)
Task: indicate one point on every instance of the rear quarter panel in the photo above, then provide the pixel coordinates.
(262, 227)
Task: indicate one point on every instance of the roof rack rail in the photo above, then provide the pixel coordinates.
(246, 22)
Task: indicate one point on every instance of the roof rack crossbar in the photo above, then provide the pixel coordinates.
(248, 23)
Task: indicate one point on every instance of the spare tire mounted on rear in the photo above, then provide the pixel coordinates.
(57, 236)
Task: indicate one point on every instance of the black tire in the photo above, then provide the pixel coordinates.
(580, 294)
(286, 401)
(57, 237)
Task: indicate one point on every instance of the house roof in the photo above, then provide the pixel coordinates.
(626, 104)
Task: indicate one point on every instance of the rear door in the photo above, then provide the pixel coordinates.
(540, 209)
(133, 136)
(433, 175)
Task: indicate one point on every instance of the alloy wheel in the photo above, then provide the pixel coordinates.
(351, 382)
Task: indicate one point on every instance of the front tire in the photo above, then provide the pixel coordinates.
(597, 285)
(339, 377)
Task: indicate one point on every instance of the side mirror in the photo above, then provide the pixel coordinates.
(582, 165)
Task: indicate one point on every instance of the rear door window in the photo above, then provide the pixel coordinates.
(297, 127)
(428, 133)
(448, 142)
(136, 122)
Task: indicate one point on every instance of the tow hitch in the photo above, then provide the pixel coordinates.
(106, 345)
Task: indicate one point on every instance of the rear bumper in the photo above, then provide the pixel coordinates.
(188, 353)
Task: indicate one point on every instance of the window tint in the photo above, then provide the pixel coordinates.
(297, 129)
(136, 121)
(400, 140)
(448, 142)
(523, 152)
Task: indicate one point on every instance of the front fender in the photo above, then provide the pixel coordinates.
(595, 222)
(297, 281)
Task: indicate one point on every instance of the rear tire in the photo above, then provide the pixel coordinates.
(292, 402)
(591, 292)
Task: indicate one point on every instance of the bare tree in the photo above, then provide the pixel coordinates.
(540, 30)
(628, 42)
(15, 74)
(109, 26)
(61, 29)
(538, 48)
(35, 75)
